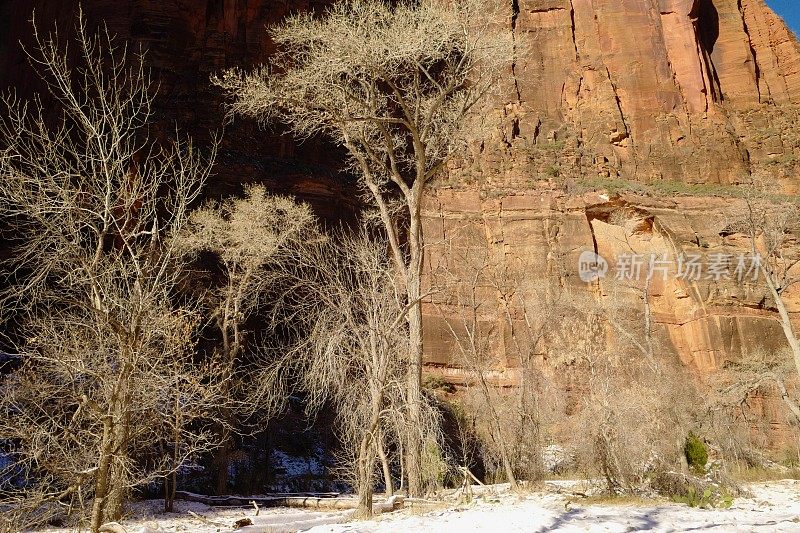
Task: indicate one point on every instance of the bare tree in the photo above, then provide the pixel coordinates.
(530, 310)
(496, 315)
(770, 224)
(632, 411)
(93, 202)
(246, 235)
(394, 84)
(742, 434)
(197, 396)
(472, 328)
(347, 295)
(354, 341)
(467, 445)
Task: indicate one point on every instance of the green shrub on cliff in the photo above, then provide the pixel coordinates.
(696, 453)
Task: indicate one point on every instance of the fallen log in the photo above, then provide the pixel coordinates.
(328, 501)
(266, 500)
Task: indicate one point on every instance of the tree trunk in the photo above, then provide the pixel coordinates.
(387, 472)
(118, 490)
(794, 343)
(401, 457)
(169, 493)
(221, 460)
(786, 320)
(507, 465)
(498, 430)
(366, 466)
(366, 458)
(171, 479)
(102, 478)
(228, 327)
(415, 337)
(414, 395)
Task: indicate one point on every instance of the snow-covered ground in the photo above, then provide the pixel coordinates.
(192, 517)
(773, 506)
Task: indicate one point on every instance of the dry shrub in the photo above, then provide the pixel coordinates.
(22, 510)
(714, 491)
(741, 434)
(434, 466)
(630, 429)
(519, 432)
(636, 410)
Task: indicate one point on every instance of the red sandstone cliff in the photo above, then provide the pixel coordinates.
(693, 91)
(697, 91)
(648, 89)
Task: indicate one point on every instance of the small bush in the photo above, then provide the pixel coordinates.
(695, 491)
(696, 453)
(709, 498)
(552, 170)
(435, 382)
(758, 474)
(434, 466)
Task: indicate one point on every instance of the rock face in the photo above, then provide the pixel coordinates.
(646, 88)
(673, 93)
(643, 89)
(535, 238)
(602, 92)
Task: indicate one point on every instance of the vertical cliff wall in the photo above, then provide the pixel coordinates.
(688, 96)
(603, 91)
(646, 89)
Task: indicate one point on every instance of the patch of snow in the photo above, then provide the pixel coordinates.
(556, 458)
(292, 466)
(193, 517)
(775, 508)
(289, 523)
(304, 474)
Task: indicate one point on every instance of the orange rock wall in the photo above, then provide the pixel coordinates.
(690, 91)
(646, 85)
(703, 323)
